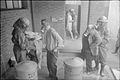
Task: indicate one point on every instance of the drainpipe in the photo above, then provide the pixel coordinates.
(88, 21)
(32, 18)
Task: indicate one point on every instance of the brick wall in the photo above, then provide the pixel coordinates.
(97, 9)
(7, 19)
(42, 9)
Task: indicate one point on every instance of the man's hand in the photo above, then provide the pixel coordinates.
(92, 45)
(55, 50)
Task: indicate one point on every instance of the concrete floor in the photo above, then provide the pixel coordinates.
(71, 49)
(43, 73)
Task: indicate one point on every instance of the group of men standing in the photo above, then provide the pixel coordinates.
(95, 40)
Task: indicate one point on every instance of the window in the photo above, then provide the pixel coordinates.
(73, 2)
(13, 4)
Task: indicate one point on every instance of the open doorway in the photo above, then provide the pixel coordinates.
(72, 25)
(72, 15)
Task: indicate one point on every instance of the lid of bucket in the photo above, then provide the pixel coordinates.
(75, 62)
(26, 66)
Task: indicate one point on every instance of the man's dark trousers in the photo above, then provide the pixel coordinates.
(51, 64)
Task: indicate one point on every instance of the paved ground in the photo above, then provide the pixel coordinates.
(72, 49)
(43, 73)
(72, 45)
(112, 61)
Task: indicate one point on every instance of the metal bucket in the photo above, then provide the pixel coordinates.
(26, 70)
(73, 69)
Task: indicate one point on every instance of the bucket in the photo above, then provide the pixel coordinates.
(26, 70)
(73, 69)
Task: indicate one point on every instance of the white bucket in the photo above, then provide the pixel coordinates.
(73, 69)
(26, 70)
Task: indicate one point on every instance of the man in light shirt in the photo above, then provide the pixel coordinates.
(53, 42)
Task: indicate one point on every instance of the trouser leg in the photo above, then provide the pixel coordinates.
(20, 55)
(16, 53)
(88, 63)
(51, 64)
(96, 62)
(71, 34)
(17, 57)
(33, 56)
(82, 54)
(102, 68)
(23, 55)
(116, 49)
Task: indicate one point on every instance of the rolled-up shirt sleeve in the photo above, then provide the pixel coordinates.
(58, 38)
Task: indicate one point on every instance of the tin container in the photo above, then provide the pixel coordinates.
(73, 69)
(26, 70)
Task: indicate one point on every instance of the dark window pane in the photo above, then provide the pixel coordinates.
(13, 4)
(16, 5)
(9, 4)
(3, 5)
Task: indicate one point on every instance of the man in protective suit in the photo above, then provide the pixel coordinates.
(103, 31)
(91, 40)
(19, 39)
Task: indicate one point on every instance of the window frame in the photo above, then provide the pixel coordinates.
(24, 5)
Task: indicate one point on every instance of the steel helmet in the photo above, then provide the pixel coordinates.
(24, 21)
(102, 19)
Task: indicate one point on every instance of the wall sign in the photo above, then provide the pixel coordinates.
(59, 19)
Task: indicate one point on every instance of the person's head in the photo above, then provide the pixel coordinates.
(68, 12)
(22, 23)
(102, 21)
(72, 10)
(89, 29)
(45, 23)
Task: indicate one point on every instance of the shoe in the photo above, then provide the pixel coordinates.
(89, 73)
(50, 76)
(113, 52)
(102, 75)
